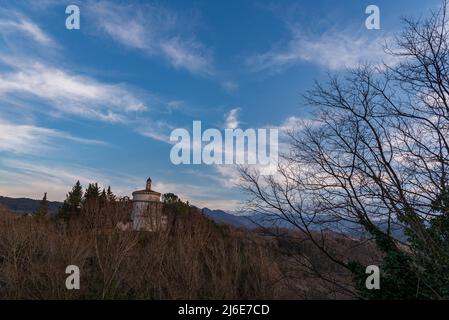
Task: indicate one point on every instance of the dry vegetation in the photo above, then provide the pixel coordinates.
(194, 259)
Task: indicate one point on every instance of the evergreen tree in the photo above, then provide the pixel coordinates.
(419, 272)
(42, 211)
(432, 262)
(103, 197)
(92, 192)
(110, 196)
(75, 197)
(72, 203)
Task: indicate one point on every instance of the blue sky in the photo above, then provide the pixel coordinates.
(99, 103)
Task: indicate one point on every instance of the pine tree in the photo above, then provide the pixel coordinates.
(110, 196)
(42, 211)
(75, 197)
(103, 197)
(72, 203)
(92, 192)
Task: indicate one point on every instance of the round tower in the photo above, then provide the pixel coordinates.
(147, 212)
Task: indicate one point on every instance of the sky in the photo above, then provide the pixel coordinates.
(98, 103)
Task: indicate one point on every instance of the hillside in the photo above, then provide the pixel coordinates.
(26, 205)
(191, 259)
(250, 221)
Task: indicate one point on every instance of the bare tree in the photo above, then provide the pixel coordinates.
(376, 153)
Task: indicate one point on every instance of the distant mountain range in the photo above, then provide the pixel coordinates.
(255, 220)
(267, 220)
(250, 221)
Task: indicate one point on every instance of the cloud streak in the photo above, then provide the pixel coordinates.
(155, 31)
(17, 23)
(69, 93)
(30, 139)
(19, 178)
(335, 50)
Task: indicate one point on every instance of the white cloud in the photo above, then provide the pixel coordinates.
(19, 23)
(20, 178)
(157, 130)
(70, 93)
(332, 49)
(130, 33)
(295, 123)
(198, 195)
(228, 175)
(232, 121)
(154, 30)
(30, 139)
(32, 85)
(184, 54)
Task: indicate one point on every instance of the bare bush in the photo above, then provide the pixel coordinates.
(195, 259)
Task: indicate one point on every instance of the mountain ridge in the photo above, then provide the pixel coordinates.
(27, 205)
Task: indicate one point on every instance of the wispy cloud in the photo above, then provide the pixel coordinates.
(30, 139)
(22, 178)
(69, 93)
(333, 49)
(157, 130)
(198, 195)
(19, 178)
(32, 84)
(154, 30)
(187, 54)
(13, 23)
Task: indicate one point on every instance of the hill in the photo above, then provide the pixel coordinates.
(250, 221)
(26, 205)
